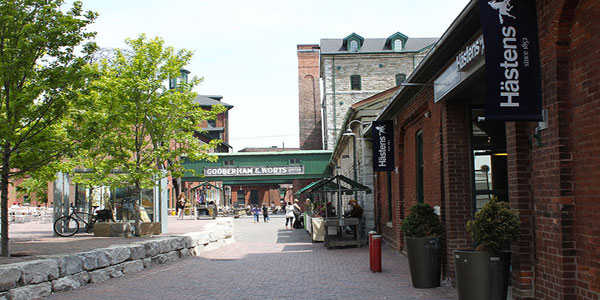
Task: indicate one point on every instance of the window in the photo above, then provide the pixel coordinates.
(294, 161)
(228, 162)
(211, 123)
(397, 45)
(419, 167)
(400, 78)
(355, 82)
(353, 46)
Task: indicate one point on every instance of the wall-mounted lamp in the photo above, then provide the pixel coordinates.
(427, 114)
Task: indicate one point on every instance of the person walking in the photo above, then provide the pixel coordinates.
(255, 212)
(289, 215)
(181, 206)
(297, 212)
(265, 211)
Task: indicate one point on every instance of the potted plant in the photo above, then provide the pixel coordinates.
(422, 231)
(484, 272)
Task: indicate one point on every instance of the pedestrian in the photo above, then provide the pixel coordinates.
(289, 215)
(297, 212)
(181, 206)
(265, 210)
(255, 212)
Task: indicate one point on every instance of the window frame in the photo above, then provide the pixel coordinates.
(354, 84)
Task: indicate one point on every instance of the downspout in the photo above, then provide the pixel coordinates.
(333, 98)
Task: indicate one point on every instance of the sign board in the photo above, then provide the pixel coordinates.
(468, 61)
(383, 145)
(254, 171)
(512, 64)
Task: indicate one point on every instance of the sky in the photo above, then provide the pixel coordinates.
(246, 49)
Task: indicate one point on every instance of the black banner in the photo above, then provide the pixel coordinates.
(383, 145)
(512, 64)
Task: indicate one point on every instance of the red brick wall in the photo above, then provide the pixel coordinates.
(554, 186)
(309, 98)
(457, 177)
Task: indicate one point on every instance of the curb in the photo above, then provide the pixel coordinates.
(65, 272)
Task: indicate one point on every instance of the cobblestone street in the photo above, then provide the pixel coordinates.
(267, 262)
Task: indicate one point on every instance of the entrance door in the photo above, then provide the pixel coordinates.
(254, 197)
(488, 142)
(241, 198)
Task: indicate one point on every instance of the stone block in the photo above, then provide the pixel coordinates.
(100, 275)
(165, 258)
(184, 253)
(147, 262)
(117, 254)
(9, 276)
(149, 228)
(196, 251)
(137, 251)
(37, 271)
(31, 291)
(4, 296)
(134, 266)
(112, 229)
(94, 259)
(68, 264)
(151, 248)
(70, 282)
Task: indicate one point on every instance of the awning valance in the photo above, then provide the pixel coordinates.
(335, 184)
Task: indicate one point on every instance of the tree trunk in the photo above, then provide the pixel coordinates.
(4, 200)
(136, 209)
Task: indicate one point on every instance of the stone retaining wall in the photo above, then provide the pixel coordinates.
(57, 273)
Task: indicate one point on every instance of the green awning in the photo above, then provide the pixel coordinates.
(206, 184)
(330, 185)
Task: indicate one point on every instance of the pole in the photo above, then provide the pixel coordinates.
(376, 253)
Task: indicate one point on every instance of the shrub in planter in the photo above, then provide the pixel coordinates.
(422, 222)
(494, 226)
(422, 230)
(484, 273)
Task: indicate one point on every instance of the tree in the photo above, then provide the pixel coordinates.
(40, 75)
(142, 124)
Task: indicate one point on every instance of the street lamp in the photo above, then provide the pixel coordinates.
(349, 133)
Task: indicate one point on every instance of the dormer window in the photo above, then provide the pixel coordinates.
(353, 42)
(353, 46)
(397, 45)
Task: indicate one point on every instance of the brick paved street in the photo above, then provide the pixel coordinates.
(267, 262)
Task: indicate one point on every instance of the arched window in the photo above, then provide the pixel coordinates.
(397, 45)
(400, 78)
(355, 82)
(419, 166)
(353, 46)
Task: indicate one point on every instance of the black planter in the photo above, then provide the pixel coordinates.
(424, 261)
(481, 275)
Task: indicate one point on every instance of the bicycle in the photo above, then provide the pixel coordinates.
(69, 225)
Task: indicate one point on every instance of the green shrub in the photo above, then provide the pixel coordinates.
(494, 226)
(422, 222)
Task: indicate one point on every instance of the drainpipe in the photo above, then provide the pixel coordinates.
(333, 87)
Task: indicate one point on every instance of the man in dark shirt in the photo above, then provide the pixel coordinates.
(356, 211)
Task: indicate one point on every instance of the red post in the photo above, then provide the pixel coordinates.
(371, 233)
(376, 253)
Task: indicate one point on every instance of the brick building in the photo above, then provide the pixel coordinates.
(447, 156)
(355, 68)
(311, 137)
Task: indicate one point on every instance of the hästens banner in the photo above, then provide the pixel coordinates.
(383, 145)
(512, 64)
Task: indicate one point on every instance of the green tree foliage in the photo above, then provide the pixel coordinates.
(141, 123)
(40, 76)
(422, 222)
(494, 226)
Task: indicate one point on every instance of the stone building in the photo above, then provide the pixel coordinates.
(355, 68)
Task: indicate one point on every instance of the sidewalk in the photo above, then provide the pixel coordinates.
(30, 240)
